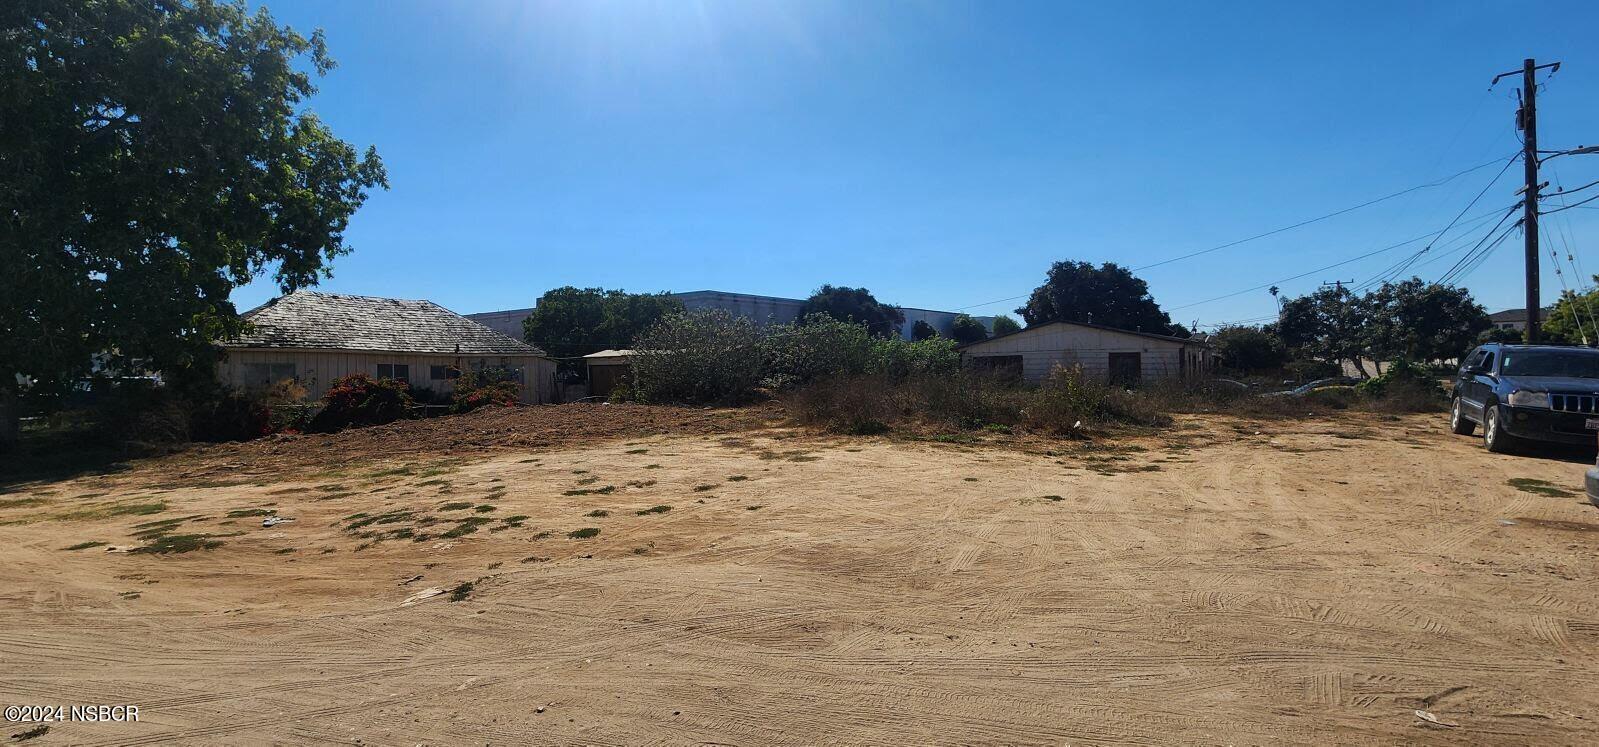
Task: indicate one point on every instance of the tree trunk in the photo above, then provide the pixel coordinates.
(10, 421)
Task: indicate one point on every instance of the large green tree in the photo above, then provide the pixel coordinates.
(854, 305)
(1108, 294)
(1420, 321)
(1332, 325)
(966, 329)
(569, 322)
(157, 154)
(1004, 325)
(1574, 320)
(1249, 349)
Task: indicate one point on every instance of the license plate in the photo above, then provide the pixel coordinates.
(1591, 424)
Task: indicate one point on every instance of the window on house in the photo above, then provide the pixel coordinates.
(396, 371)
(1126, 368)
(1002, 367)
(443, 373)
(267, 374)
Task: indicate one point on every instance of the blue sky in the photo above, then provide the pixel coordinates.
(941, 154)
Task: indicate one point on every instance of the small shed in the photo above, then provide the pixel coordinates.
(607, 369)
(314, 338)
(1118, 355)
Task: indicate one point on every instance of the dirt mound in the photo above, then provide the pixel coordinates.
(492, 428)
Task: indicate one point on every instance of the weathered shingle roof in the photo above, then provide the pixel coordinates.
(312, 320)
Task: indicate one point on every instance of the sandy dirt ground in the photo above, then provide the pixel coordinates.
(1223, 582)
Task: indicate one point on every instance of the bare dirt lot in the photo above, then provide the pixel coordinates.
(1222, 582)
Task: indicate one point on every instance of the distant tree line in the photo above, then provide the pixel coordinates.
(1411, 320)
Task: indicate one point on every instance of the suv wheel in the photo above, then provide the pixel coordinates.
(1493, 434)
(1458, 422)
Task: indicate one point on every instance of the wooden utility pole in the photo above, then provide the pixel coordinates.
(1527, 122)
(1529, 202)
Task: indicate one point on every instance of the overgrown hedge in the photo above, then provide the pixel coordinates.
(717, 357)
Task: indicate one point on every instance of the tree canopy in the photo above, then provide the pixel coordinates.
(966, 329)
(1249, 349)
(1108, 295)
(854, 305)
(156, 156)
(921, 330)
(1004, 325)
(1330, 324)
(1574, 319)
(569, 322)
(1409, 320)
(1420, 321)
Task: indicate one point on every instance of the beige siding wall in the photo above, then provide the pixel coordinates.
(1044, 348)
(316, 369)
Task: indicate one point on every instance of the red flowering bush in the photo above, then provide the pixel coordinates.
(360, 399)
(475, 389)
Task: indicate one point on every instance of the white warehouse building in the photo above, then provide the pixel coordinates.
(762, 309)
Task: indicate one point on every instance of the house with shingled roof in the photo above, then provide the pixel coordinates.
(314, 338)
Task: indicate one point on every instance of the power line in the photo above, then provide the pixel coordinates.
(1471, 253)
(1391, 247)
(1563, 191)
(1568, 241)
(1458, 243)
(1481, 258)
(1237, 322)
(1333, 214)
(1473, 258)
(1568, 207)
(1276, 231)
(1404, 265)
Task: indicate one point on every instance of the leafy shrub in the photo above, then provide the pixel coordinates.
(1404, 386)
(796, 354)
(1064, 401)
(359, 399)
(234, 416)
(698, 357)
(135, 412)
(921, 330)
(492, 386)
(899, 359)
(1004, 325)
(622, 391)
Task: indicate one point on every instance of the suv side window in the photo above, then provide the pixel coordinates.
(1470, 364)
(1487, 362)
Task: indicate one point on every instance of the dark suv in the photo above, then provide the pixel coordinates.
(1527, 392)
